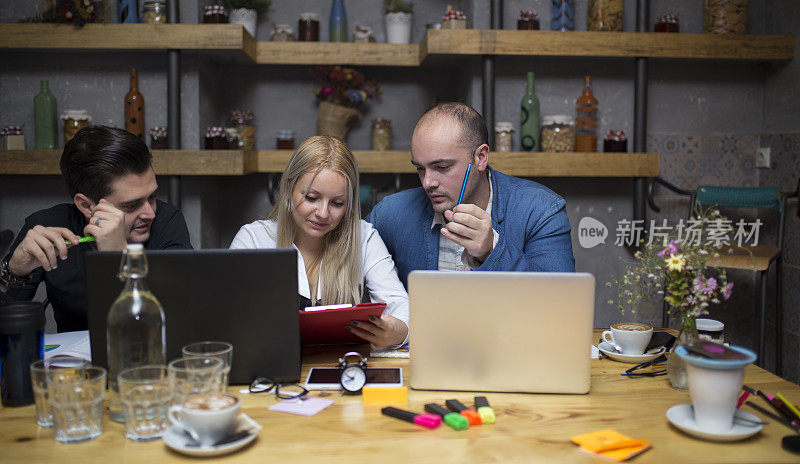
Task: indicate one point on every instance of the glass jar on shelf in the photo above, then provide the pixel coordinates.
(558, 133)
(528, 21)
(158, 138)
(154, 12)
(454, 19)
(604, 15)
(241, 121)
(308, 27)
(74, 120)
(284, 140)
(667, 23)
(215, 14)
(282, 33)
(563, 15)
(381, 134)
(216, 138)
(503, 131)
(725, 16)
(615, 142)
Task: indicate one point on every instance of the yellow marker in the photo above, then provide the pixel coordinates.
(384, 395)
(486, 412)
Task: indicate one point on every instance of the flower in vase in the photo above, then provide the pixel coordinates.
(676, 262)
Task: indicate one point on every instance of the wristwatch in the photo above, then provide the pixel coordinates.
(8, 279)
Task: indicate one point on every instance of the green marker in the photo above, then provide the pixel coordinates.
(453, 419)
(483, 408)
(82, 240)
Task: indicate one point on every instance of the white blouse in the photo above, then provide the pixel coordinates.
(377, 267)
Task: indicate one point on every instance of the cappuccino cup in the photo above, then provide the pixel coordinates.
(208, 417)
(628, 337)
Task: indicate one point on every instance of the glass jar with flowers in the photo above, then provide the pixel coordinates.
(242, 123)
(678, 265)
(342, 92)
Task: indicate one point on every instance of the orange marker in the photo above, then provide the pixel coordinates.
(472, 415)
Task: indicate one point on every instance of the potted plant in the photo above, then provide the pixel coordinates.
(245, 12)
(341, 93)
(398, 17)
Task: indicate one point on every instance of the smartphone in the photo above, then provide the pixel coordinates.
(329, 378)
(661, 339)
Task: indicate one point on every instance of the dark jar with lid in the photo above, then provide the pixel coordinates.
(21, 343)
(615, 142)
(667, 23)
(284, 140)
(215, 14)
(216, 139)
(528, 21)
(158, 138)
(308, 27)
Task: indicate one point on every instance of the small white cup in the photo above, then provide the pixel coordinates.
(208, 426)
(628, 337)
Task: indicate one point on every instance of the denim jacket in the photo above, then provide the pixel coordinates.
(530, 219)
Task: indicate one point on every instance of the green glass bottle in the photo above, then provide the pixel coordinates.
(529, 119)
(44, 115)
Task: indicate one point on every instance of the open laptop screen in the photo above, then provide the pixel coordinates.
(244, 297)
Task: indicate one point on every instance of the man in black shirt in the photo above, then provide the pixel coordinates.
(109, 175)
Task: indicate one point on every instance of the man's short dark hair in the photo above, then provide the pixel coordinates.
(473, 127)
(97, 155)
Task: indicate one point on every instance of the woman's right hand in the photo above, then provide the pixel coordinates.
(381, 332)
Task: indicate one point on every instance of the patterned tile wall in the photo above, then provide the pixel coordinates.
(689, 161)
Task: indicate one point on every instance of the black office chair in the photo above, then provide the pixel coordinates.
(757, 258)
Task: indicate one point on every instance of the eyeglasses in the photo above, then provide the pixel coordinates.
(284, 391)
(656, 364)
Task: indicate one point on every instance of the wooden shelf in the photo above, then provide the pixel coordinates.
(165, 162)
(192, 37)
(610, 44)
(361, 54)
(237, 163)
(233, 38)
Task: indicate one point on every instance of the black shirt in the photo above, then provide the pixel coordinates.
(66, 287)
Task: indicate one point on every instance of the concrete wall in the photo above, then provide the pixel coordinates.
(706, 119)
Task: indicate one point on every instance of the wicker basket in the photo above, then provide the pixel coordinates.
(335, 119)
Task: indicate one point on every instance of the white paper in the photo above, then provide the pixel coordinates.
(69, 343)
(323, 308)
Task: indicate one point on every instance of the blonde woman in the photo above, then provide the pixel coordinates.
(340, 258)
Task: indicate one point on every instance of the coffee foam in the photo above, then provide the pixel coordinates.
(210, 402)
(632, 326)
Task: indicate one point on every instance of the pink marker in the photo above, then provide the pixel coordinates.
(430, 421)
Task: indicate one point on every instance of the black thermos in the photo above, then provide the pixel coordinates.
(21, 343)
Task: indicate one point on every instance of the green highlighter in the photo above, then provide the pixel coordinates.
(453, 419)
(82, 240)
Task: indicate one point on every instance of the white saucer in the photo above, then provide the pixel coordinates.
(175, 439)
(682, 417)
(609, 351)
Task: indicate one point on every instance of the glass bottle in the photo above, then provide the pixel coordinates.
(128, 11)
(529, 119)
(586, 119)
(338, 22)
(135, 331)
(134, 108)
(44, 114)
(563, 18)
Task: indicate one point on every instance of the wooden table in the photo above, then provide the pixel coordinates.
(529, 428)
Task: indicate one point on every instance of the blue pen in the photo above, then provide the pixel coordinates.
(464, 184)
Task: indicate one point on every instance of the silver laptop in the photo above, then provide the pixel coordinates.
(501, 331)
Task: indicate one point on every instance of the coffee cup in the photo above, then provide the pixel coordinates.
(628, 337)
(207, 418)
(714, 386)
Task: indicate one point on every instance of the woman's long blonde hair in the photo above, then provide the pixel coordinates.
(340, 267)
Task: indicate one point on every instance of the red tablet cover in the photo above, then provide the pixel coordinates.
(328, 326)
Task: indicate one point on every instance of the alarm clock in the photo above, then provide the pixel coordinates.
(353, 375)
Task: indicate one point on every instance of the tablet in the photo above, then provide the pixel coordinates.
(328, 378)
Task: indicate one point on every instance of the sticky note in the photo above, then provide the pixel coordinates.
(384, 395)
(611, 444)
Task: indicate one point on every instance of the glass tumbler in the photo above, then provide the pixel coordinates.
(194, 376)
(76, 400)
(221, 350)
(146, 395)
(70, 364)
